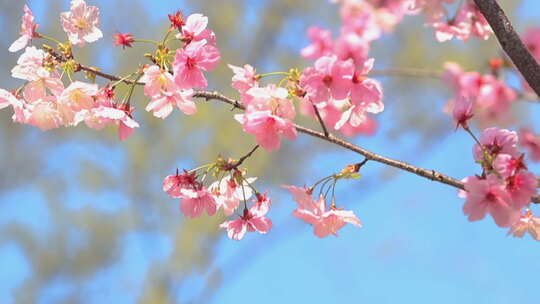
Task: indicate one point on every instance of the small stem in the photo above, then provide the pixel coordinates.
(323, 126)
(147, 41)
(243, 158)
(201, 167)
(49, 38)
(258, 76)
(473, 136)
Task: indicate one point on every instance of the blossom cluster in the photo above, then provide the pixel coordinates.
(337, 85)
(47, 102)
(231, 191)
(226, 193)
(485, 96)
(505, 187)
(382, 16)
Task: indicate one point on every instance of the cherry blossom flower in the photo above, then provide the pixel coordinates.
(522, 187)
(244, 78)
(44, 114)
(267, 128)
(8, 99)
(497, 141)
(123, 39)
(81, 23)
(108, 113)
(365, 97)
(195, 29)
(172, 184)
(251, 220)
(324, 222)
(190, 61)
(531, 142)
(329, 78)
(526, 223)
(321, 43)
(507, 166)
(30, 65)
(177, 20)
(165, 93)
(194, 201)
(270, 98)
(228, 193)
(489, 196)
(462, 112)
(351, 46)
(28, 31)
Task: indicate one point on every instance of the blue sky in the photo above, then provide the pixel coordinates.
(416, 246)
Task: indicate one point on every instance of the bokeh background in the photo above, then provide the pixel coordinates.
(83, 218)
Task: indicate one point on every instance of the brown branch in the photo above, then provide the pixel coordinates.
(429, 174)
(108, 76)
(426, 173)
(511, 42)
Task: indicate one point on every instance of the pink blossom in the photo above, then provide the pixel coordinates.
(462, 112)
(162, 105)
(109, 113)
(351, 46)
(8, 99)
(79, 96)
(195, 29)
(228, 193)
(496, 141)
(507, 166)
(173, 184)
(321, 43)
(489, 196)
(329, 78)
(124, 40)
(526, 223)
(445, 31)
(244, 78)
(531, 142)
(270, 98)
(360, 21)
(252, 220)
(334, 113)
(522, 187)
(365, 97)
(194, 201)
(324, 222)
(28, 31)
(478, 23)
(44, 114)
(81, 22)
(190, 61)
(165, 93)
(267, 128)
(30, 65)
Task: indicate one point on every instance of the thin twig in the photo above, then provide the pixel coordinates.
(323, 126)
(243, 158)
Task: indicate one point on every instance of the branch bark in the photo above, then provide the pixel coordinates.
(511, 42)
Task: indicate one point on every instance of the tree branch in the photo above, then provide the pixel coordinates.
(426, 173)
(511, 42)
